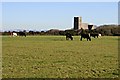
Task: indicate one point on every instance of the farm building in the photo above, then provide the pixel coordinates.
(78, 24)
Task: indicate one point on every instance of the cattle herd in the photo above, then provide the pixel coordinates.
(68, 35)
(83, 35)
(18, 34)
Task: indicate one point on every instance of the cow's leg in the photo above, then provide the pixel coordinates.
(71, 38)
(67, 38)
(89, 39)
(81, 38)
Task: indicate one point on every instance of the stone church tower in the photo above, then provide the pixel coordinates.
(77, 23)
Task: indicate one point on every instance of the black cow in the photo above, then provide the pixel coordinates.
(85, 36)
(21, 34)
(68, 36)
(94, 35)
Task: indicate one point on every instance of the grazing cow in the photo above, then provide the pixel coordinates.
(85, 36)
(94, 35)
(14, 34)
(68, 36)
(21, 34)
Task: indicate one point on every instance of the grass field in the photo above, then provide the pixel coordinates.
(54, 57)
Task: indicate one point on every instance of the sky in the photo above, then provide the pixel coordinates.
(60, 0)
(56, 15)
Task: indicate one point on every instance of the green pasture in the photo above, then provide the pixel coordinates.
(54, 57)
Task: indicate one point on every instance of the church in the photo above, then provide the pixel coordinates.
(78, 24)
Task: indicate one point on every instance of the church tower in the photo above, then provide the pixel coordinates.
(77, 23)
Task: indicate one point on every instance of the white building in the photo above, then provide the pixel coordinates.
(85, 25)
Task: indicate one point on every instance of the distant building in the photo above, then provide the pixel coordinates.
(78, 24)
(85, 25)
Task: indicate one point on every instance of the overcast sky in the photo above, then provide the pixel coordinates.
(56, 15)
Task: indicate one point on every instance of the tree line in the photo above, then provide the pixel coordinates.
(104, 30)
